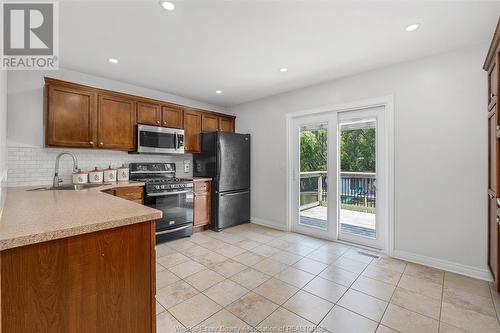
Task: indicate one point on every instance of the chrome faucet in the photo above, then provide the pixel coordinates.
(57, 180)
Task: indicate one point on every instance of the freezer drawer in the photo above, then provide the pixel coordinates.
(234, 208)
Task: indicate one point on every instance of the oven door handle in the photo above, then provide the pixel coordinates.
(161, 194)
(176, 141)
(173, 230)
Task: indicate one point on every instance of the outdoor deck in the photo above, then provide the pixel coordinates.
(353, 222)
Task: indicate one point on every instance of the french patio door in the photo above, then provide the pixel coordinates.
(339, 173)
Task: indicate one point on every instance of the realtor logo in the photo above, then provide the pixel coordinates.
(29, 35)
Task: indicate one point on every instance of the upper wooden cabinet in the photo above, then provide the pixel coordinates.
(209, 122)
(172, 116)
(70, 117)
(116, 123)
(192, 131)
(226, 124)
(148, 114)
(85, 117)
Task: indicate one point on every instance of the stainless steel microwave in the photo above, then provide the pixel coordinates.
(159, 140)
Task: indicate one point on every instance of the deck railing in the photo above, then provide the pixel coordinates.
(355, 189)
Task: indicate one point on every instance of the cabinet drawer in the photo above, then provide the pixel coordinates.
(130, 193)
(202, 186)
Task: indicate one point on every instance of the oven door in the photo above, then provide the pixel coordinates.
(177, 208)
(160, 140)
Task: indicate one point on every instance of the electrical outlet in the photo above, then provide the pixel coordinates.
(187, 165)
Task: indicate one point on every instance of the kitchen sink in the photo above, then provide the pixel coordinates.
(68, 187)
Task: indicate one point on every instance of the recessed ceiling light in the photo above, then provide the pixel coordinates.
(113, 60)
(167, 5)
(283, 70)
(218, 92)
(412, 27)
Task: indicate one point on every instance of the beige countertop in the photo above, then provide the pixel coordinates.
(30, 217)
(201, 179)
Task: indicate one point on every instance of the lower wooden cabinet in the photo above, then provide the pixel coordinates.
(102, 281)
(131, 193)
(202, 204)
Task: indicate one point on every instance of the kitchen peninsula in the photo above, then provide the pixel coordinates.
(76, 261)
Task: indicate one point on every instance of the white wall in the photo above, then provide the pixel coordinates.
(3, 135)
(25, 102)
(440, 153)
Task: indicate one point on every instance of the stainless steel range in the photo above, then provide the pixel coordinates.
(173, 196)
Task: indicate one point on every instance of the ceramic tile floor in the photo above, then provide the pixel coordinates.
(255, 279)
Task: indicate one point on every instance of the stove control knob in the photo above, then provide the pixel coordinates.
(157, 187)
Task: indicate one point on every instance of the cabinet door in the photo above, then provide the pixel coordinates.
(493, 74)
(209, 122)
(493, 237)
(148, 114)
(192, 131)
(201, 208)
(492, 151)
(226, 124)
(117, 122)
(171, 116)
(71, 117)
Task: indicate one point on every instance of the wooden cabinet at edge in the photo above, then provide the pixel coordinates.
(491, 65)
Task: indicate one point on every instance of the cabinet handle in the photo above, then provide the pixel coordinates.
(492, 95)
(157, 121)
(164, 123)
(91, 142)
(101, 143)
(490, 196)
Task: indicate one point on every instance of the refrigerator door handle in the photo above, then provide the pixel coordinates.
(218, 158)
(233, 193)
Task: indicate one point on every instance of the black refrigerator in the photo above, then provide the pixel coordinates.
(225, 157)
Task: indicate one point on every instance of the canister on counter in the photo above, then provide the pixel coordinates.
(80, 177)
(110, 175)
(95, 176)
(123, 173)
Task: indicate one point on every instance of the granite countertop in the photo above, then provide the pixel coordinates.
(30, 217)
(201, 179)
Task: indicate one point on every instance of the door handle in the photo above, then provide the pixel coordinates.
(233, 193)
(173, 230)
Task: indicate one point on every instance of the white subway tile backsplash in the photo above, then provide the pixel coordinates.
(35, 166)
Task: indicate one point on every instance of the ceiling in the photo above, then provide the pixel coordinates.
(239, 46)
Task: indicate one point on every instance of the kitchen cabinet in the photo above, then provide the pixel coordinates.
(86, 117)
(71, 119)
(209, 122)
(102, 281)
(202, 204)
(192, 131)
(226, 124)
(172, 116)
(491, 65)
(148, 114)
(131, 193)
(116, 123)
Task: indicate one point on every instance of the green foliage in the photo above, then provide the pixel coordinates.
(357, 150)
(313, 150)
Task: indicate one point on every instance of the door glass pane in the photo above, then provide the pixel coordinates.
(357, 181)
(313, 176)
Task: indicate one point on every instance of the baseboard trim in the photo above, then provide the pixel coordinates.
(449, 266)
(268, 223)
